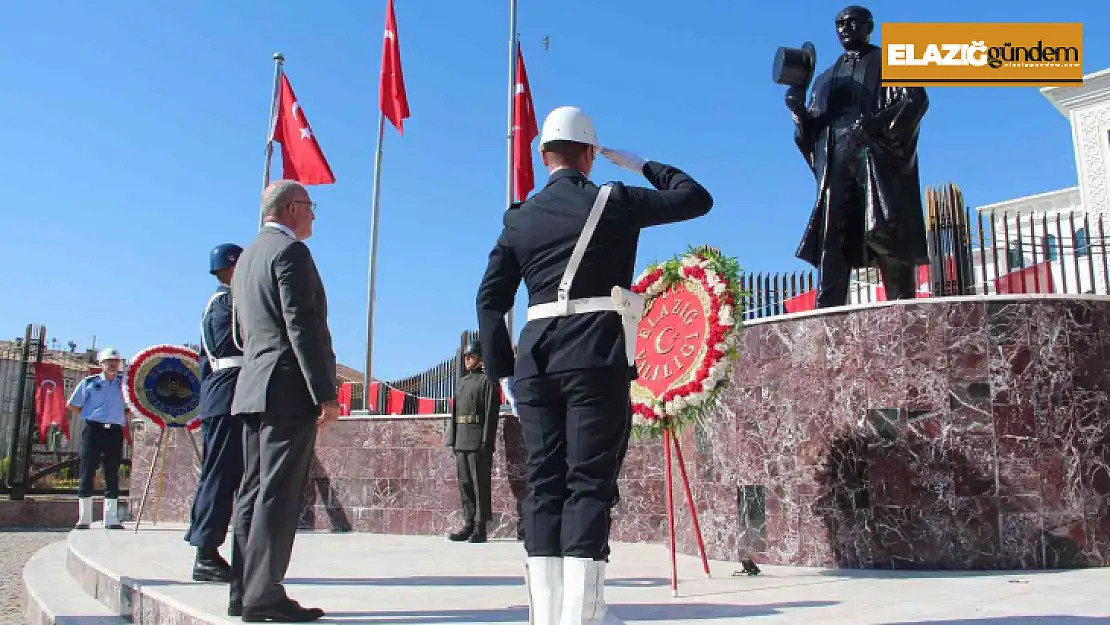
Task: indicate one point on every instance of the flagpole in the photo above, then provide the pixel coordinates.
(373, 268)
(509, 138)
(279, 59)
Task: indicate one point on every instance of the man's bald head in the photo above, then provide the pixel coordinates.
(286, 202)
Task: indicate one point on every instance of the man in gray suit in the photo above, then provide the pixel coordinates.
(286, 390)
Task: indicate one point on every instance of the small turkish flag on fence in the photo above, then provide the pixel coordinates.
(301, 157)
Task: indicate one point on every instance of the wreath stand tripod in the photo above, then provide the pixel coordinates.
(158, 463)
(669, 440)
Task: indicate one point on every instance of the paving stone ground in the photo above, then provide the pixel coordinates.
(16, 546)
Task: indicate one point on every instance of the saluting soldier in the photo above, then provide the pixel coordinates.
(574, 366)
(99, 400)
(222, 469)
(472, 433)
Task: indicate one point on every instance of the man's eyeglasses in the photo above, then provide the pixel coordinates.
(311, 205)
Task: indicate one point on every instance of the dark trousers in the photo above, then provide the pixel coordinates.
(844, 210)
(899, 278)
(101, 445)
(616, 490)
(475, 485)
(220, 475)
(575, 425)
(277, 451)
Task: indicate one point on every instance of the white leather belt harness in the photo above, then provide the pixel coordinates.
(629, 305)
(216, 363)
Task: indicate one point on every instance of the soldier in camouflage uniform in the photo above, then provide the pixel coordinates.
(472, 433)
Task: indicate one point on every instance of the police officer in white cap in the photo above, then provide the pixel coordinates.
(574, 246)
(99, 400)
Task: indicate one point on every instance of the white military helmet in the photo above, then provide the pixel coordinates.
(569, 123)
(109, 353)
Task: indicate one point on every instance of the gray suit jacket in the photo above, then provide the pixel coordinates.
(282, 317)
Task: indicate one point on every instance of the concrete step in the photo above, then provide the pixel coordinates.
(52, 597)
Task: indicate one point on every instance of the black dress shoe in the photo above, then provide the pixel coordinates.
(211, 570)
(235, 607)
(479, 535)
(462, 534)
(81, 526)
(287, 611)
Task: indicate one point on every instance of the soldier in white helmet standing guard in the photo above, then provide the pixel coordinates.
(572, 244)
(99, 400)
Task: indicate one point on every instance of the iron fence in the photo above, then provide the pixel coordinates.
(427, 392)
(997, 252)
(36, 460)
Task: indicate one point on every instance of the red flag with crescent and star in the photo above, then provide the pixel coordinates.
(392, 100)
(301, 157)
(50, 403)
(524, 131)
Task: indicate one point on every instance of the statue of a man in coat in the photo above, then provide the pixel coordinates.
(860, 140)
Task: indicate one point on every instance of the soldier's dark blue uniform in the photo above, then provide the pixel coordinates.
(222, 469)
(571, 374)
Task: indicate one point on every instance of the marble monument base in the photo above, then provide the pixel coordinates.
(947, 433)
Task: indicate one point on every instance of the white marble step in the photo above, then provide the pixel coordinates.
(425, 580)
(52, 597)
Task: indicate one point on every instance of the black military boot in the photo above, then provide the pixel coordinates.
(479, 535)
(211, 567)
(463, 534)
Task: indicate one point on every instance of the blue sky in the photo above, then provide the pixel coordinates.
(134, 133)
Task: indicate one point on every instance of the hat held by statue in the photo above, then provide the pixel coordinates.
(794, 67)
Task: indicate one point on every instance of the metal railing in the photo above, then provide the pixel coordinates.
(982, 254)
(427, 392)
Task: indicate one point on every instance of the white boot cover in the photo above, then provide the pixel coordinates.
(584, 593)
(111, 513)
(544, 578)
(84, 512)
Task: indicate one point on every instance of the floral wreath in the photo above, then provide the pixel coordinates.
(687, 404)
(141, 385)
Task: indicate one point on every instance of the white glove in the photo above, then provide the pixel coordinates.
(507, 388)
(626, 159)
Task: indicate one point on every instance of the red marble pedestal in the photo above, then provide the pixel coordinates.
(957, 433)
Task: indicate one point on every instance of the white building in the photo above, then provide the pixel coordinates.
(1062, 233)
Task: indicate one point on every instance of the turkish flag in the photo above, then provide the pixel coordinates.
(425, 405)
(392, 100)
(50, 403)
(301, 157)
(524, 131)
(344, 399)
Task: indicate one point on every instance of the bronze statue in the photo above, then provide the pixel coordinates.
(860, 140)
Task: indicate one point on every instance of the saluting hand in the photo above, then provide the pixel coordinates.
(329, 413)
(624, 158)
